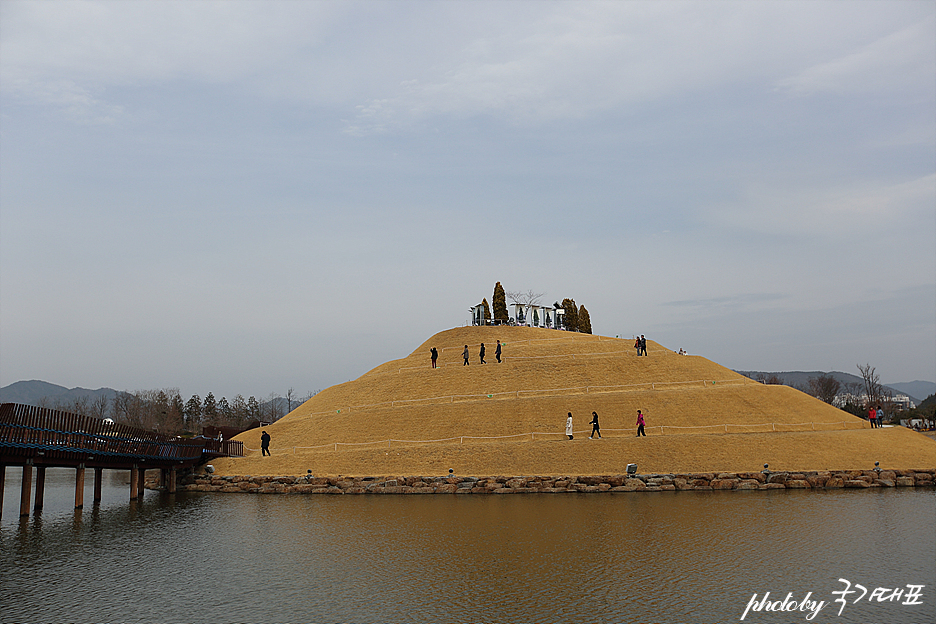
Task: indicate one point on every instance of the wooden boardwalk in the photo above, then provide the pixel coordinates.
(40, 438)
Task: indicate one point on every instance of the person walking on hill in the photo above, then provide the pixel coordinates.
(264, 444)
(465, 355)
(640, 425)
(569, 426)
(643, 345)
(435, 356)
(595, 429)
(482, 354)
(872, 416)
(497, 352)
(637, 345)
(880, 415)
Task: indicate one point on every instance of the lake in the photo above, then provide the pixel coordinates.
(667, 557)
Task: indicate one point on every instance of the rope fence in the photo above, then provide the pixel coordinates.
(532, 394)
(670, 430)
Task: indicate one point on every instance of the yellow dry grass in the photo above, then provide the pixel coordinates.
(701, 417)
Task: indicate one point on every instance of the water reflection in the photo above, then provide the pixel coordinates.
(667, 557)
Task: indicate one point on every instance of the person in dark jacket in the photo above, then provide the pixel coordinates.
(594, 424)
(435, 356)
(482, 354)
(497, 352)
(264, 444)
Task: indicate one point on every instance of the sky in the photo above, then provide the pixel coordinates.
(251, 197)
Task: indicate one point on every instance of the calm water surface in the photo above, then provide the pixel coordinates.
(668, 557)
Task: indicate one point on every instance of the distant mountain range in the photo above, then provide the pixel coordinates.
(916, 390)
(32, 392)
(35, 391)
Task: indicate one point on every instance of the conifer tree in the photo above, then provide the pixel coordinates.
(584, 322)
(210, 408)
(487, 311)
(570, 315)
(499, 302)
(193, 411)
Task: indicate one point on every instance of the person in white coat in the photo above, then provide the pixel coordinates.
(569, 426)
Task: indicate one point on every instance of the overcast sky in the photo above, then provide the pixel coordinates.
(247, 197)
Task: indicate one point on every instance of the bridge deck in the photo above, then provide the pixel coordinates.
(38, 437)
(41, 436)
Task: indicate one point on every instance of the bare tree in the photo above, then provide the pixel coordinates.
(274, 409)
(128, 409)
(872, 383)
(290, 395)
(824, 387)
(526, 299)
(98, 408)
(78, 405)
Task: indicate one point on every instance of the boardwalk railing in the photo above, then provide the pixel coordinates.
(27, 430)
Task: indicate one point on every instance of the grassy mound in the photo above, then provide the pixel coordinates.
(403, 417)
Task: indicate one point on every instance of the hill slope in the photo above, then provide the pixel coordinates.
(509, 417)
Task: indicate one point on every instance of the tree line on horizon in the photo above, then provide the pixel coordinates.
(575, 318)
(165, 411)
(856, 397)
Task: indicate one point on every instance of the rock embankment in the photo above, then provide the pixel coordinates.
(705, 481)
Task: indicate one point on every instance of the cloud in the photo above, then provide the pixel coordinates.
(75, 102)
(388, 66)
(741, 301)
(788, 207)
(896, 61)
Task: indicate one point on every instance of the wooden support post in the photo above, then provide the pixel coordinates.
(79, 486)
(40, 487)
(134, 483)
(98, 478)
(26, 489)
(171, 486)
(141, 486)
